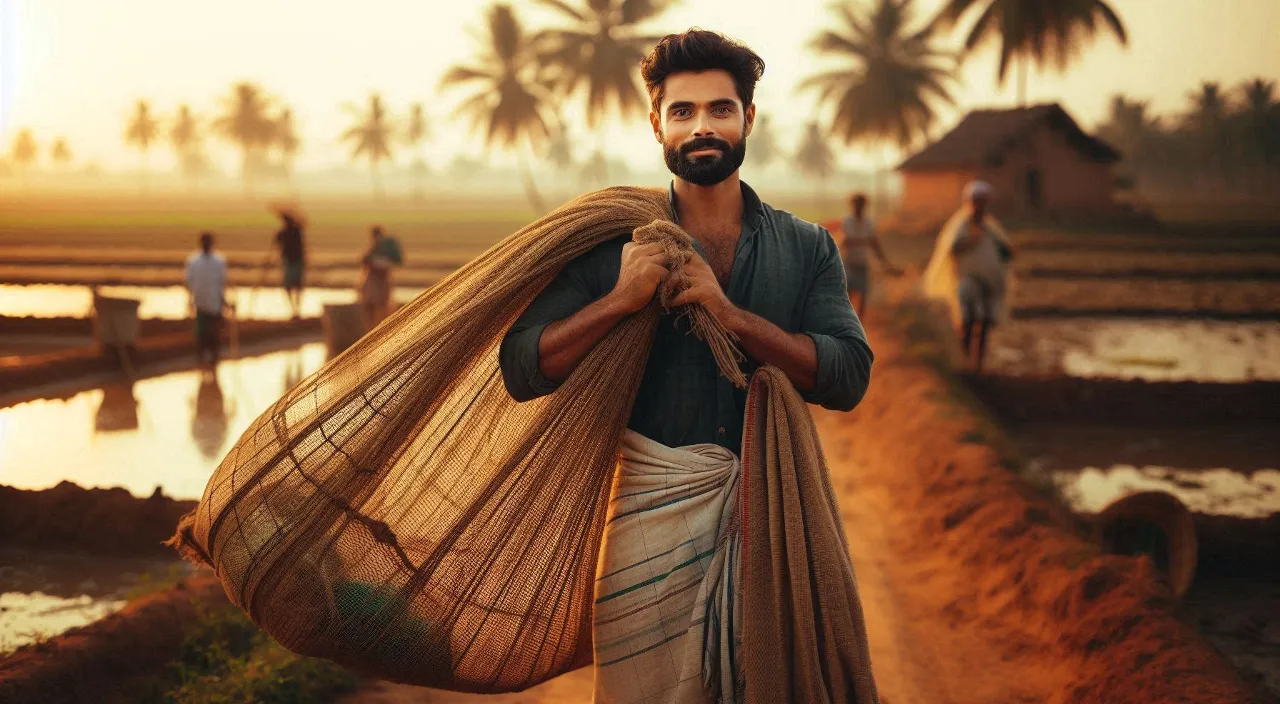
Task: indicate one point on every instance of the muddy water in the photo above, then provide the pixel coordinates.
(1157, 350)
(1212, 491)
(170, 302)
(43, 594)
(168, 431)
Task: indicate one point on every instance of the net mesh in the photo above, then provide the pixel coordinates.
(399, 513)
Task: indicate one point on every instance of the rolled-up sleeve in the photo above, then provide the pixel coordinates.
(844, 357)
(568, 293)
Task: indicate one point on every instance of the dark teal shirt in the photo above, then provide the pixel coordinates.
(785, 270)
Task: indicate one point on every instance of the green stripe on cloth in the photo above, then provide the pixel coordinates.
(659, 578)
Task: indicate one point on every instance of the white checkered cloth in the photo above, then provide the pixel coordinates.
(667, 622)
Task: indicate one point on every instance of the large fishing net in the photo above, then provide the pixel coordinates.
(397, 512)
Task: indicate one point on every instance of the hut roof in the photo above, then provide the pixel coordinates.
(983, 135)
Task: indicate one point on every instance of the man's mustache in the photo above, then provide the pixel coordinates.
(705, 143)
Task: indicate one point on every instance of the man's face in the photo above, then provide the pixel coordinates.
(979, 205)
(702, 126)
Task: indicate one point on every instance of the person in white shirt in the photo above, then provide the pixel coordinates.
(859, 236)
(970, 270)
(206, 280)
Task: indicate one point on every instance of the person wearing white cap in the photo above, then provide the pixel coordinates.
(970, 270)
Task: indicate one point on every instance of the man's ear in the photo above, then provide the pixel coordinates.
(655, 120)
(751, 119)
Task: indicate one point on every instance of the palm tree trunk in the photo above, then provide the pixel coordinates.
(244, 172)
(1022, 81)
(530, 187)
(377, 179)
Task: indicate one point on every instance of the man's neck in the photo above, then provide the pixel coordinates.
(719, 203)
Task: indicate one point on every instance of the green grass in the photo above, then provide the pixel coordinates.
(226, 659)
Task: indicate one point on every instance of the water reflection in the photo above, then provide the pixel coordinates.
(118, 409)
(170, 302)
(1214, 491)
(178, 443)
(209, 422)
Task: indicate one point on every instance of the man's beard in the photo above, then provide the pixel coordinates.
(705, 170)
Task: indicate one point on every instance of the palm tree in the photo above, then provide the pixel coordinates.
(24, 149)
(509, 103)
(763, 147)
(60, 152)
(600, 52)
(815, 159)
(415, 133)
(286, 140)
(371, 137)
(1131, 129)
(890, 92)
(1040, 31)
(1206, 123)
(248, 124)
(1261, 122)
(187, 141)
(142, 132)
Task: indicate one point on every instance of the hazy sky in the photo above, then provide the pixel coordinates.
(75, 67)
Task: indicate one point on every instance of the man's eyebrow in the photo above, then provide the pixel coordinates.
(718, 102)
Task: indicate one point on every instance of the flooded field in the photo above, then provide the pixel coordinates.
(43, 594)
(168, 431)
(169, 302)
(1156, 350)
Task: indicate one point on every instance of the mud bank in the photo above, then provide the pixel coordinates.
(21, 372)
(99, 521)
(1125, 401)
(101, 661)
(985, 556)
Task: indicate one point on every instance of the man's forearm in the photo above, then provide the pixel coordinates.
(794, 353)
(566, 342)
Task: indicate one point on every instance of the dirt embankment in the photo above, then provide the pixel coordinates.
(102, 661)
(29, 371)
(1126, 401)
(976, 588)
(100, 521)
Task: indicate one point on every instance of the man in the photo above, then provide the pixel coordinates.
(206, 281)
(771, 279)
(859, 236)
(292, 259)
(970, 270)
(375, 275)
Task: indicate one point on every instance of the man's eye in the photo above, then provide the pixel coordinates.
(681, 112)
(721, 111)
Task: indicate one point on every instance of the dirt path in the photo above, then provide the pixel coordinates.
(974, 588)
(920, 654)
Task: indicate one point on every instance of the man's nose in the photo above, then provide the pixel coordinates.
(702, 126)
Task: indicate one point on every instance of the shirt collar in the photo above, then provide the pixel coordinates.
(752, 207)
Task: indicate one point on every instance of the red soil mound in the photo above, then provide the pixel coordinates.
(101, 521)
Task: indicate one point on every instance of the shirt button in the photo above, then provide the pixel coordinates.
(721, 431)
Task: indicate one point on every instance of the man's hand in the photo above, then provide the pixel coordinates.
(705, 289)
(644, 266)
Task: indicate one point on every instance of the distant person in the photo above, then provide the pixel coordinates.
(292, 246)
(859, 236)
(375, 275)
(206, 281)
(970, 270)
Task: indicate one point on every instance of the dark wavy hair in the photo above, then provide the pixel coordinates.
(701, 50)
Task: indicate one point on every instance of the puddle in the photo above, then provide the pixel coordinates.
(1156, 350)
(1210, 491)
(170, 302)
(29, 618)
(168, 431)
